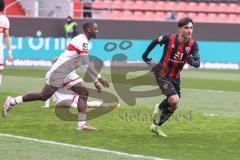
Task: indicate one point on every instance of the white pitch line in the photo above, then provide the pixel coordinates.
(81, 147)
(211, 90)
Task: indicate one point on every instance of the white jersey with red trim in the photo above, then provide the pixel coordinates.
(68, 61)
(71, 79)
(65, 97)
(64, 93)
(4, 24)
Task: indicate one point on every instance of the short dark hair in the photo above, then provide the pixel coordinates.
(2, 5)
(184, 21)
(87, 25)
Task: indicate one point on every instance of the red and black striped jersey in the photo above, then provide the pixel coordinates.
(175, 54)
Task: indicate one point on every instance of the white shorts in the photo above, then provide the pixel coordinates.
(61, 69)
(71, 100)
(71, 79)
(1, 61)
(61, 99)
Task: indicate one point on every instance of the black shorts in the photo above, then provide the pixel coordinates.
(169, 86)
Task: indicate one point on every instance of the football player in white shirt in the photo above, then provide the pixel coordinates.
(4, 32)
(64, 97)
(75, 56)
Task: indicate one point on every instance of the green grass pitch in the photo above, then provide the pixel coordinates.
(205, 126)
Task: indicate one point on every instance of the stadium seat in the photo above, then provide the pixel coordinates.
(192, 15)
(212, 17)
(126, 15)
(97, 4)
(116, 14)
(139, 5)
(107, 4)
(137, 15)
(149, 16)
(77, 9)
(181, 6)
(161, 5)
(202, 7)
(222, 17)
(160, 16)
(212, 7)
(201, 17)
(129, 4)
(150, 5)
(105, 14)
(104, 4)
(233, 7)
(118, 4)
(15, 10)
(238, 19)
(192, 6)
(233, 18)
(222, 7)
(170, 5)
(181, 15)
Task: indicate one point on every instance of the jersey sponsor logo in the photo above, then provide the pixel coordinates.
(177, 55)
(187, 49)
(176, 61)
(85, 46)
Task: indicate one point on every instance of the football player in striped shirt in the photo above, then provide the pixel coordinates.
(179, 49)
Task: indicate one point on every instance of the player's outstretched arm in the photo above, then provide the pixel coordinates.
(92, 73)
(88, 67)
(97, 86)
(148, 50)
(103, 82)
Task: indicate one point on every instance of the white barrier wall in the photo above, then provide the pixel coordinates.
(31, 7)
(55, 8)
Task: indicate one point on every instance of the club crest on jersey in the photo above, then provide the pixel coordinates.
(160, 38)
(187, 49)
(173, 46)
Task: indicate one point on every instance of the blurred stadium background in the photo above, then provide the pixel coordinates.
(206, 127)
(37, 27)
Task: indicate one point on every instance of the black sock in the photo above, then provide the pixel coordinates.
(165, 113)
(163, 105)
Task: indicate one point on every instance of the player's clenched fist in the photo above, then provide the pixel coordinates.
(103, 82)
(98, 86)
